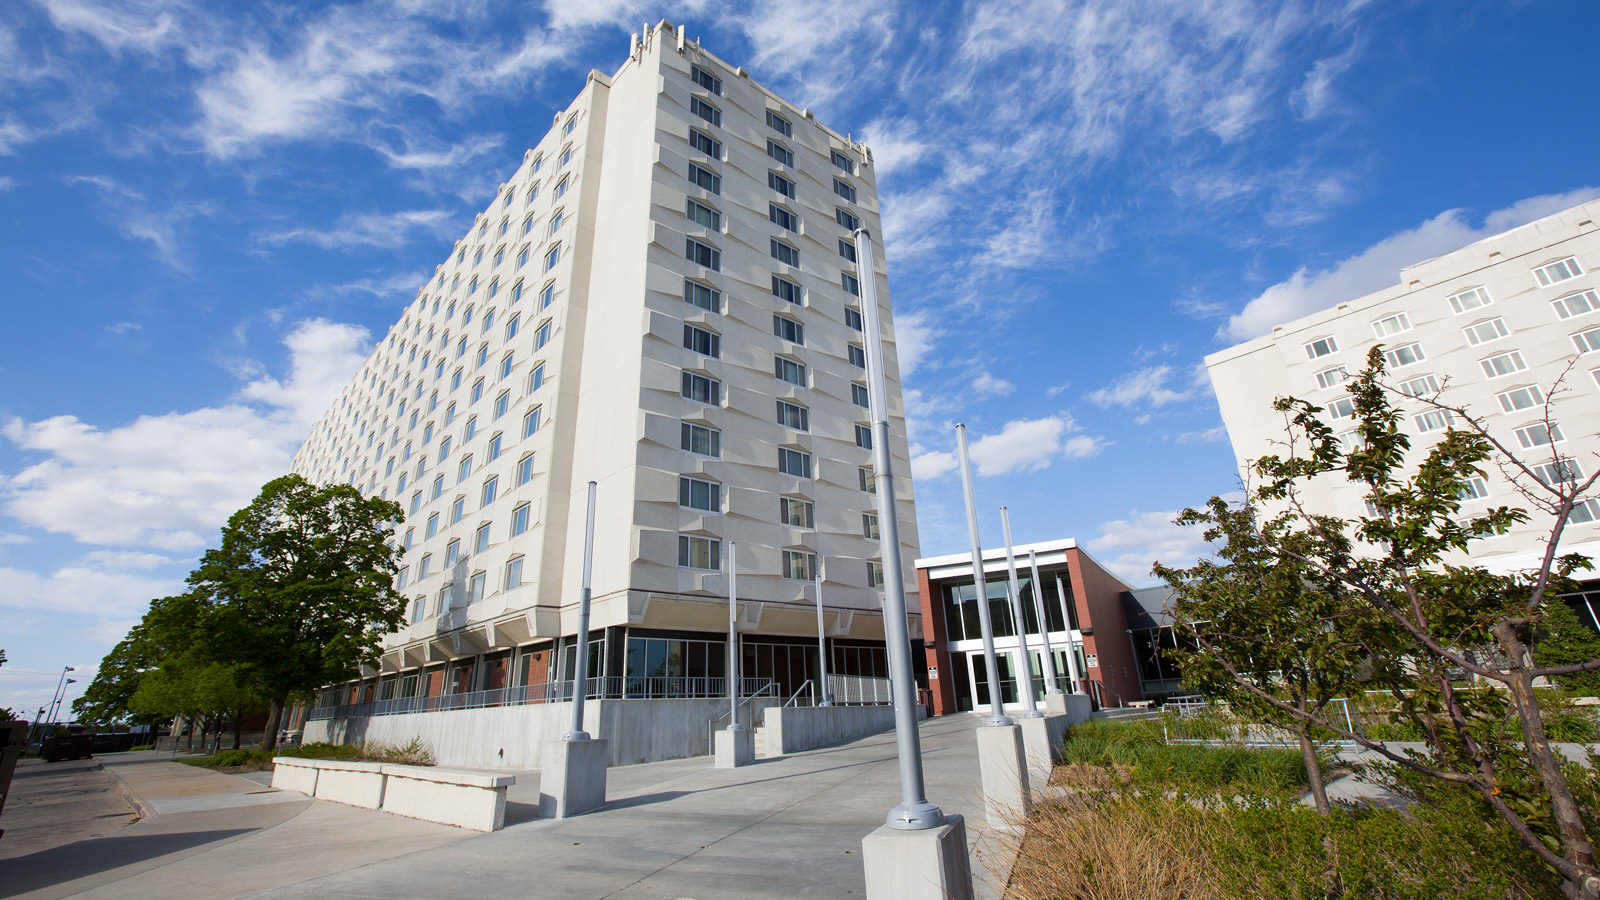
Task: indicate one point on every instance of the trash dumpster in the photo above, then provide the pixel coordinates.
(68, 746)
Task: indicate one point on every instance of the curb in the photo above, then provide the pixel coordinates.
(139, 804)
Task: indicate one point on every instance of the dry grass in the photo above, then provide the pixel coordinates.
(1077, 849)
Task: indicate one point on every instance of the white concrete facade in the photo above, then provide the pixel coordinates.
(1491, 327)
(611, 313)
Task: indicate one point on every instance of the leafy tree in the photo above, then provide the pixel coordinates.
(1563, 640)
(169, 630)
(1449, 620)
(1265, 622)
(301, 590)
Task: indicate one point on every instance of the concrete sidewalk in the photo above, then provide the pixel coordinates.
(781, 828)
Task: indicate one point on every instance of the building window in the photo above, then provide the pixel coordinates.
(470, 431)
(501, 402)
(1474, 489)
(779, 152)
(694, 493)
(1484, 332)
(494, 447)
(701, 341)
(779, 124)
(869, 482)
(844, 189)
(847, 249)
(844, 162)
(1421, 386)
(793, 416)
(542, 336)
(513, 573)
(869, 525)
(531, 421)
(696, 294)
(1503, 364)
(465, 469)
(701, 441)
(561, 190)
(557, 219)
(491, 488)
(847, 219)
(1321, 347)
(480, 540)
(1586, 511)
(784, 289)
(783, 218)
(864, 437)
(1469, 300)
(547, 296)
(874, 573)
(794, 462)
(1560, 472)
(438, 487)
(796, 513)
(780, 184)
(705, 143)
(704, 215)
(695, 552)
(705, 179)
(416, 502)
(553, 257)
(519, 519)
(1330, 377)
(452, 552)
(418, 606)
(458, 509)
(400, 578)
(705, 111)
(444, 598)
(512, 325)
(849, 283)
(1576, 304)
(702, 254)
(799, 565)
(477, 390)
(1434, 420)
(423, 564)
(1520, 398)
(790, 371)
(860, 397)
(788, 329)
(857, 355)
(701, 389)
(525, 469)
(566, 155)
(706, 80)
(1557, 272)
(506, 365)
(1341, 408)
(1404, 355)
(481, 358)
(1587, 341)
(475, 588)
(1539, 434)
(852, 319)
(785, 254)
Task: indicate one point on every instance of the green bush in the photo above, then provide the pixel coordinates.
(413, 752)
(1138, 748)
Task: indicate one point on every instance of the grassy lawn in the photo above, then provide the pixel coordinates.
(1131, 817)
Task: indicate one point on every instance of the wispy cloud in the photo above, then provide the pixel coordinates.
(1019, 447)
(370, 229)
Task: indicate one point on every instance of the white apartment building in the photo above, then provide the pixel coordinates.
(1491, 327)
(661, 299)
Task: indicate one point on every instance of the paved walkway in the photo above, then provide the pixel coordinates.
(781, 828)
(51, 804)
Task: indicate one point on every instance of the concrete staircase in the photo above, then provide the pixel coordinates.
(761, 741)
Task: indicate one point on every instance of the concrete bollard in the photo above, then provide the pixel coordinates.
(734, 748)
(574, 778)
(930, 864)
(1003, 767)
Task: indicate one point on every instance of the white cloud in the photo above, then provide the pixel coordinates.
(448, 157)
(914, 337)
(1021, 446)
(369, 229)
(86, 587)
(136, 25)
(1141, 386)
(167, 481)
(7, 183)
(1209, 435)
(1379, 265)
(1129, 547)
(124, 327)
(987, 385)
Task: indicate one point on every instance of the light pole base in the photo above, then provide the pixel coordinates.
(1055, 703)
(734, 748)
(1000, 721)
(928, 864)
(574, 778)
(1003, 767)
(915, 816)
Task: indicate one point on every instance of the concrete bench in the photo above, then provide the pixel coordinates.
(466, 799)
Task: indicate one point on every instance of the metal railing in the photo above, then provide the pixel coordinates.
(1098, 690)
(860, 690)
(613, 688)
(749, 689)
(1195, 720)
(795, 699)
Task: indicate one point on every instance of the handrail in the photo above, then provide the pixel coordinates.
(806, 688)
(768, 688)
(1101, 688)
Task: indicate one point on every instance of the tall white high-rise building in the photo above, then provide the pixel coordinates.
(662, 299)
(1508, 327)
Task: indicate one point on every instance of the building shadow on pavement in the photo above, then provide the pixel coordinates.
(91, 857)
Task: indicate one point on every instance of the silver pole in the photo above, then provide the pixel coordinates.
(733, 637)
(914, 813)
(997, 715)
(1051, 677)
(1072, 655)
(1016, 613)
(822, 635)
(579, 686)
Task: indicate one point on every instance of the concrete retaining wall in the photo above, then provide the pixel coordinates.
(792, 729)
(513, 737)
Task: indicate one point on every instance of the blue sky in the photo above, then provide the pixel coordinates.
(210, 214)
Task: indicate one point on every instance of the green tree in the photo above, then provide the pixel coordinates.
(1266, 623)
(1402, 563)
(1563, 640)
(301, 590)
(169, 629)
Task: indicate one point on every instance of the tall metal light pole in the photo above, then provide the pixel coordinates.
(1072, 655)
(914, 812)
(997, 715)
(55, 698)
(1016, 613)
(823, 698)
(1052, 678)
(733, 637)
(579, 678)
